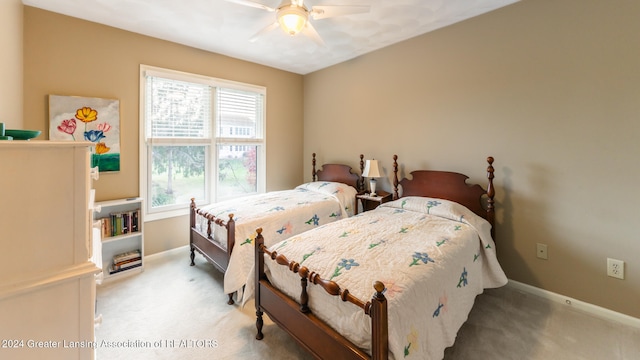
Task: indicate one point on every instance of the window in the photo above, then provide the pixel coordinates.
(200, 138)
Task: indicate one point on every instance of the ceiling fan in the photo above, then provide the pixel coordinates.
(293, 16)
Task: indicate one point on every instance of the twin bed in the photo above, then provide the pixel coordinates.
(424, 257)
(224, 232)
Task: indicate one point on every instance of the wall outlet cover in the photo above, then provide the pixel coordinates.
(541, 251)
(615, 268)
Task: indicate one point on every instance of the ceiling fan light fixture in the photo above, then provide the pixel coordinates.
(292, 18)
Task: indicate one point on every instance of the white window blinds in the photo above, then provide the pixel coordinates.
(177, 109)
(239, 109)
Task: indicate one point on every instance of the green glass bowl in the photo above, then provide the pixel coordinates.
(22, 134)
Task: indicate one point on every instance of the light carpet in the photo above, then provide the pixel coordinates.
(174, 311)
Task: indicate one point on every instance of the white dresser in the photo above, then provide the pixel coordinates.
(47, 281)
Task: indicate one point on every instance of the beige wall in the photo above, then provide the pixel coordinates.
(11, 63)
(551, 89)
(68, 56)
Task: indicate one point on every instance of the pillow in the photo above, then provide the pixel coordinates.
(438, 207)
(445, 209)
(327, 187)
(345, 194)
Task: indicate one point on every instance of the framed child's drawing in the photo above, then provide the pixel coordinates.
(75, 118)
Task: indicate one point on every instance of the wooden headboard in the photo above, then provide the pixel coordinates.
(449, 186)
(339, 173)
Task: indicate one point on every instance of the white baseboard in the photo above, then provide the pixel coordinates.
(591, 309)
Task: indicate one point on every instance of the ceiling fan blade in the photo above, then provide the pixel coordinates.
(327, 11)
(311, 32)
(260, 33)
(252, 4)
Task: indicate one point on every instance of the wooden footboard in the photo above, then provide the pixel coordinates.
(296, 317)
(213, 251)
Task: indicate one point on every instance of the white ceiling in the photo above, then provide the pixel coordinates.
(225, 28)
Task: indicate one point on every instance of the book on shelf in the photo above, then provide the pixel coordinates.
(127, 264)
(120, 223)
(134, 220)
(105, 228)
(117, 229)
(126, 256)
(125, 261)
(113, 270)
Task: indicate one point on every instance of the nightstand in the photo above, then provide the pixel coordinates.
(371, 202)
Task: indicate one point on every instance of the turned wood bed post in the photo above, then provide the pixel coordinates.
(361, 180)
(259, 264)
(313, 166)
(192, 220)
(395, 177)
(491, 215)
(231, 234)
(231, 242)
(379, 324)
(304, 295)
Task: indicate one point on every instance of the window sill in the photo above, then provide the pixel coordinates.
(166, 214)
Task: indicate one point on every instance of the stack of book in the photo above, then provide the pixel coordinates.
(120, 223)
(125, 261)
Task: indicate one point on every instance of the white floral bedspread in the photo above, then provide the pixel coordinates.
(280, 214)
(434, 257)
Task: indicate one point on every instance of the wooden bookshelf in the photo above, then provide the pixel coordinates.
(122, 225)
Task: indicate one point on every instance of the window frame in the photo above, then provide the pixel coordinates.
(211, 144)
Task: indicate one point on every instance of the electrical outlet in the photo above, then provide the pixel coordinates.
(615, 268)
(541, 251)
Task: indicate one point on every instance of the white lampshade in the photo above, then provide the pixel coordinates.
(292, 19)
(371, 169)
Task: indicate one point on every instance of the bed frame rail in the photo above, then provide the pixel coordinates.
(311, 332)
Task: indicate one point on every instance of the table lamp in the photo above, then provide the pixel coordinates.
(371, 171)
